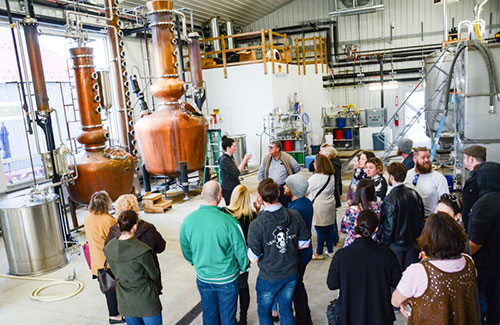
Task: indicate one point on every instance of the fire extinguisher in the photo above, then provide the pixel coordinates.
(396, 120)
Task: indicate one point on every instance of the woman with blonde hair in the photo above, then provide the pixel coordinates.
(97, 224)
(146, 232)
(240, 207)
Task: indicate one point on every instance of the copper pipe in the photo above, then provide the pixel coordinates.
(93, 134)
(33, 48)
(168, 88)
(120, 87)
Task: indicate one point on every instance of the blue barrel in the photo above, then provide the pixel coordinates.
(449, 180)
(348, 134)
(340, 122)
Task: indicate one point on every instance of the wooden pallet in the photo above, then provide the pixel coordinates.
(154, 203)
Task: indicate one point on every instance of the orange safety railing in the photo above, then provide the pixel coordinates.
(319, 50)
(267, 38)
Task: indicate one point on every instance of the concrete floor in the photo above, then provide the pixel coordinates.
(180, 294)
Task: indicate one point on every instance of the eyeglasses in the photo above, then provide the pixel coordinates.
(414, 182)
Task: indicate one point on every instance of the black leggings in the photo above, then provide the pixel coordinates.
(112, 304)
(244, 294)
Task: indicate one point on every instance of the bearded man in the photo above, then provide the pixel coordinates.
(427, 182)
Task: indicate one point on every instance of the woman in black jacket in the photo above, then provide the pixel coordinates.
(241, 209)
(229, 172)
(364, 272)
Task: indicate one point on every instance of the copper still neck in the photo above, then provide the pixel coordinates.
(33, 48)
(93, 136)
(167, 88)
(120, 82)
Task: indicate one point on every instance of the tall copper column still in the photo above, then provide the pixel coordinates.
(120, 82)
(195, 67)
(173, 134)
(108, 169)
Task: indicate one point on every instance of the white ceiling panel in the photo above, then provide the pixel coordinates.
(241, 12)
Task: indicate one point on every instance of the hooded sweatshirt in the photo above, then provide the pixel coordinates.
(484, 224)
(146, 233)
(132, 263)
(274, 238)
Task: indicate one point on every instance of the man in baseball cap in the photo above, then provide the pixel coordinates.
(405, 147)
(473, 157)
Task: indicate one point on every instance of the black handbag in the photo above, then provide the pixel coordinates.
(333, 312)
(107, 281)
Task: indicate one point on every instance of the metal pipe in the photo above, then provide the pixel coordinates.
(214, 28)
(229, 32)
(445, 20)
(381, 84)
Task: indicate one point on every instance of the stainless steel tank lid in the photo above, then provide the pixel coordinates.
(25, 201)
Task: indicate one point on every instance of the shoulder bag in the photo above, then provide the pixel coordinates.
(322, 189)
(107, 281)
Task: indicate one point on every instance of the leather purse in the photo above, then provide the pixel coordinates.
(107, 281)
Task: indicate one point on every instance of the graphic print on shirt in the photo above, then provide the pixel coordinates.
(281, 238)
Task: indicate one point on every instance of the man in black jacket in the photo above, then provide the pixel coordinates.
(473, 157)
(484, 238)
(401, 218)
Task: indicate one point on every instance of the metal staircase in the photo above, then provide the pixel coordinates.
(418, 111)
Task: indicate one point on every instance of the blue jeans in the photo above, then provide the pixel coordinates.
(267, 291)
(328, 234)
(218, 302)
(152, 320)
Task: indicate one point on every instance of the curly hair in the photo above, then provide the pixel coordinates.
(126, 202)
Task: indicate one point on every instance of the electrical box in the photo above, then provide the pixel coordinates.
(375, 117)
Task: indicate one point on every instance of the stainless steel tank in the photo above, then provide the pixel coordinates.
(32, 234)
(241, 149)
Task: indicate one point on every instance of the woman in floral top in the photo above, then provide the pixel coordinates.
(364, 199)
(359, 174)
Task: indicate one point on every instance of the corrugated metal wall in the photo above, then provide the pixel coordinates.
(372, 31)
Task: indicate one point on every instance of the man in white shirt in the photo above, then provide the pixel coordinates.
(427, 182)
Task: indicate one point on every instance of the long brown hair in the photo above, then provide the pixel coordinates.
(442, 238)
(365, 193)
(324, 165)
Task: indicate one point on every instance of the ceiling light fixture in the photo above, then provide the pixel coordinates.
(356, 11)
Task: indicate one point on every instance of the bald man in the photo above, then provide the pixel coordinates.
(212, 241)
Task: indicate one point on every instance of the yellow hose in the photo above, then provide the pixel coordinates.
(478, 33)
(346, 109)
(35, 294)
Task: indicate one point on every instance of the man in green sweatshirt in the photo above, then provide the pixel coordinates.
(212, 241)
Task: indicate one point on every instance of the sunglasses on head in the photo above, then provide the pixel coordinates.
(452, 197)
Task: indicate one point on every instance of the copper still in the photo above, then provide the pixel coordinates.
(174, 134)
(120, 82)
(99, 168)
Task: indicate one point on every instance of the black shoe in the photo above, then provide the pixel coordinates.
(117, 321)
(275, 319)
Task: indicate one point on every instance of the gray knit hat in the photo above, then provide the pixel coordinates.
(297, 184)
(405, 145)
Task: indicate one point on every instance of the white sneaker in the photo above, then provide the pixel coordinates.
(329, 255)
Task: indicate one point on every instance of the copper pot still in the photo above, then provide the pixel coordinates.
(174, 133)
(99, 168)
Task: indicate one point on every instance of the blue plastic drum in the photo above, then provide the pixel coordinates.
(340, 122)
(348, 134)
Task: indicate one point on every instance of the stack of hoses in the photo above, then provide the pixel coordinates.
(35, 294)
